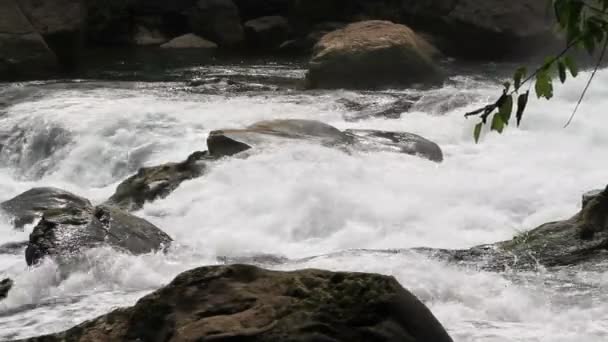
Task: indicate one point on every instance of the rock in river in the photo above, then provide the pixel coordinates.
(228, 142)
(33, 204)
(151, 183)
(5, 286)
(245, 303)
(67, 232)
(371, 54)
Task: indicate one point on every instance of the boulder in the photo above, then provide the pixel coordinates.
(5, 286)
(267, 32)
(371, 54)
(152, 183)
(580, 239)
(402, 142)
(65, 233)
(23, 51)
(61, 23)
(229, 142)
(217, 20)
(35, 203)
(189, 41)
(469, 28)
(109, 22)
(245, 303)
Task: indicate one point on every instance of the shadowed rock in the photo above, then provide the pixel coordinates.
(66, 232)
(245, 303)
(34, 203)
(402, 142)
(5, 286)
(152, 183)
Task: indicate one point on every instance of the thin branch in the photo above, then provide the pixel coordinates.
(597, 66)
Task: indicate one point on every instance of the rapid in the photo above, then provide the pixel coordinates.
(316, 206)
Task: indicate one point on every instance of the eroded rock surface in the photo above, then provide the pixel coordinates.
(245, 303)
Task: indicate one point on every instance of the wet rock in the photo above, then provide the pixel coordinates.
(371, 54)
(13, 247)
(35, 203)
(579, 239)
(245, 303)
(229, 142)
(61, 23)
(5, 286)
(251, 9)
(65, 233)
(393, 110)
(189, 41)
(145, 36)
(152, 183)
(266, 32)
(23, 51)
(109, 22)
(402, 142)
(217, 20)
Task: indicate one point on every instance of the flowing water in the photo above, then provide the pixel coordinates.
(301, 200)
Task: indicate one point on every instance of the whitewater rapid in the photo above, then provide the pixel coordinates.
(301, 200)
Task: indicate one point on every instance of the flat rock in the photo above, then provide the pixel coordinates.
(34, 203)
(245, 303)
(189, 41)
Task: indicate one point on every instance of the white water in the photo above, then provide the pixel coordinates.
(303, 200)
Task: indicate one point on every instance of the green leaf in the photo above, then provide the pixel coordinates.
(562, 71)
(518, 77)
(544, 85)
(477, 131)
(497, 123)
(569, 62)
(506, 109)
(522, 102)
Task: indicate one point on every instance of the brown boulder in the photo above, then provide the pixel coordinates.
(371, 54)
(245, 303)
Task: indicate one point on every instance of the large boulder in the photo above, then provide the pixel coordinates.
(245, 303)
(35, 203)
(470, 28)
(217, 20)
(61, 23)
(372, 54)
(267, 32)
(109, 22)
(65, 233)
(23, 51)
(579, 239)
(152, 183)
(189, 41)
(251, 9)
(229, 142)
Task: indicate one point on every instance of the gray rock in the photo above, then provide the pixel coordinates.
(152, 183)
(65, 233)
(245, 303)
(402, 142)
(35, 203)
(266, 32)
(217, 20)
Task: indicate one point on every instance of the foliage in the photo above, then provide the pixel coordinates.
(584, 24)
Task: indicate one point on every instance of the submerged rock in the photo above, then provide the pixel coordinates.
(245, 303)
(35, 203)
(66, 232)
(5, 286)
(371, 54)
(224, 143)
(152, 183)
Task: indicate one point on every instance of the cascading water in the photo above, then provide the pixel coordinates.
(301, 200)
